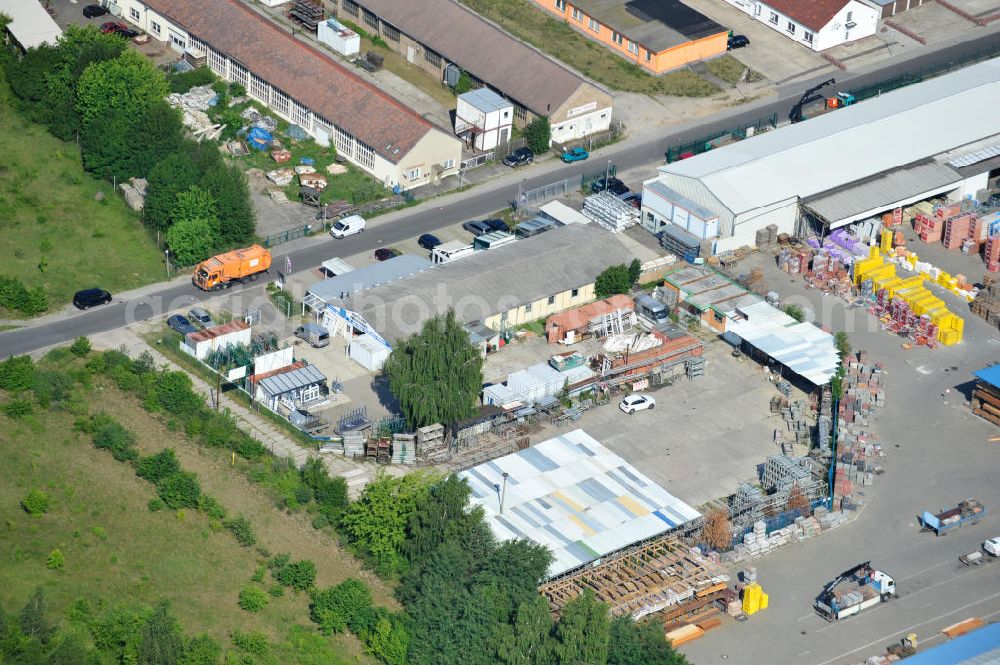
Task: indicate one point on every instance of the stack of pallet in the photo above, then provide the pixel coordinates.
(991, 253)
(928, 228)
(956, 230)
(986, 395)
(858, 449)
(309, 13)
(987, 302)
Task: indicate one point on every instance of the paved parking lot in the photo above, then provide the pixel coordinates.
(938, 455)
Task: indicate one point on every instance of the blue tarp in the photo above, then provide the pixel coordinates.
(259, 138)
(990, 375)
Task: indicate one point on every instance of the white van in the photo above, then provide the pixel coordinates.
(348, 226)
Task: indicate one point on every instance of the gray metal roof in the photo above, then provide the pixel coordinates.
(485, 100)
(870, 137)
(382, 272)
(494, 281)
(30, 24)
(672, 195)
(286, 382)
(656, 24)
(881, 190)
(487, 52)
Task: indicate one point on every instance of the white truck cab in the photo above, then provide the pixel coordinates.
(992, 546)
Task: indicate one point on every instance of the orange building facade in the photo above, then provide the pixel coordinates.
(654, 44)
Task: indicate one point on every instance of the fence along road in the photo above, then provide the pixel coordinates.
(431, 216)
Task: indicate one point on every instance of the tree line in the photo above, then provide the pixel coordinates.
(92, 89)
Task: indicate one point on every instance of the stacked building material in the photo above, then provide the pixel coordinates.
(991, 253)
(354, 444)
(987, 302)
(794, 415)
(986, 394)
(928, 228)
(956, 230)
(404, 448)
(610, 212)
(859, 452)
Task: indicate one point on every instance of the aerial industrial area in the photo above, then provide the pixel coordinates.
(570, 332)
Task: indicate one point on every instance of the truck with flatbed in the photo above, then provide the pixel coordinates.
(854, 590)
(235, 267)
(968, 511)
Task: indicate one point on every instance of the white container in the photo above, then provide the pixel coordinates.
(339, 37)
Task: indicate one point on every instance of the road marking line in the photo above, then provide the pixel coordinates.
(909, 628)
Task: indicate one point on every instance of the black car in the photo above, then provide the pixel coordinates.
(428, 241)
(519, 157)
(634, 199)
(476, 227)
(93, 11)
(613, 185)
(386, 253)
(91, 298)
(180, 324)
(737, 41)
(496, 224)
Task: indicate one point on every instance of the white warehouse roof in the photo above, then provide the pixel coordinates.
(30, 24)
(574, 496)
(873, 136)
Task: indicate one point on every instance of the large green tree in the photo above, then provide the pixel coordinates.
(436, 375)
(191, 241)
(641, 643)
(177, 173)
(234, 210)
(376, 522)
(582, 633)
(614, 279)
(160, 640)
(194, 203)
(130, 84)
(106, 146)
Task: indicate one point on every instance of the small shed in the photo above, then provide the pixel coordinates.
(299, 384)
(368, 352)
(558, 211)
(338, 36)
(483, 119)
(199, 344)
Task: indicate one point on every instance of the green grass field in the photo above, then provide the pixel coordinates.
(47, 209)
(560, 41)
(117, 552)
(727, 68)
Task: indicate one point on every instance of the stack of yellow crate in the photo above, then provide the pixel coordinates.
(913, 291)
(754, 599)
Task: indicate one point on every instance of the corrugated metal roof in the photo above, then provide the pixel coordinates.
(487, 52)
(576, 497)
(485, 100)
(304, 73)
(382, 272)
(494, 281)
(296, 379)
(562, 213)
(235, 325)
(658, 25)
(801, 347)
(867, 138)
(30, 24)
(990, 375)
(883, 189)
(980, 647)
(674, 197)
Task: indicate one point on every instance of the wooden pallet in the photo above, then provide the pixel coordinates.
(659, 574)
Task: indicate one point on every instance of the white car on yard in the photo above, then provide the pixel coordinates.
(636, 402)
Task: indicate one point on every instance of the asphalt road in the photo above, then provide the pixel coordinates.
(488, 198)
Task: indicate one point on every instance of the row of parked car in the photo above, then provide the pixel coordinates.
(197, 319)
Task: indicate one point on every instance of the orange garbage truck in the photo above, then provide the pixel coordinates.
(223, 270)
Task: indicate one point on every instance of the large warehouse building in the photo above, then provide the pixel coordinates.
(576, 497)
(502, 287)
(335, 106)
(829, 171)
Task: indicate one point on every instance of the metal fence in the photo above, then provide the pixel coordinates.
(528, 198)
(285, 236)
(706, 143)
(924, 73)
(588, 179)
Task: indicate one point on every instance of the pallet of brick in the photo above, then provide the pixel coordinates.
(956, 230)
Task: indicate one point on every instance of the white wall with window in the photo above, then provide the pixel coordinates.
(854, 20)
